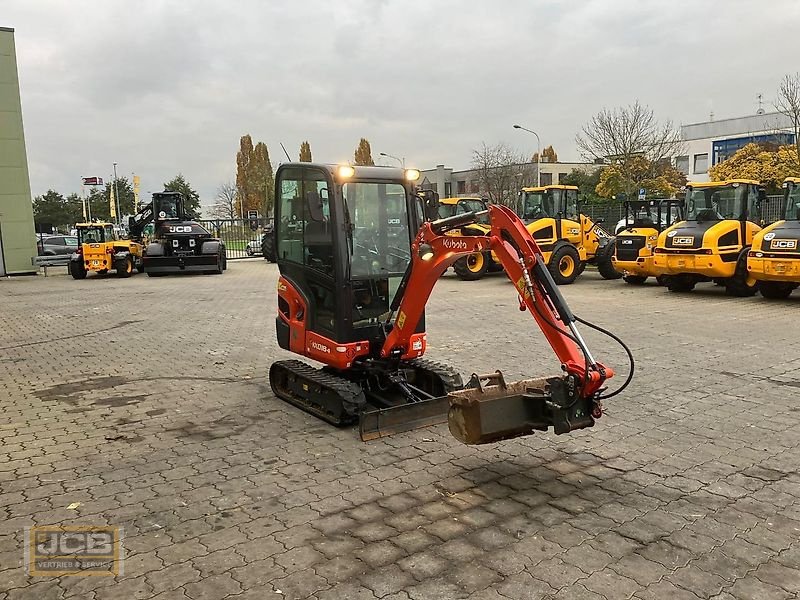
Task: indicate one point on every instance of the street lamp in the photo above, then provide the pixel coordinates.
(116, 195)
(401, 161)
(538, 153)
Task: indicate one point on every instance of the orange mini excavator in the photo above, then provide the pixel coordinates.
(360, 250)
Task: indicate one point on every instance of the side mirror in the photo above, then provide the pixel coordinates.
(430, 203)
(762, 195)
(314, 206)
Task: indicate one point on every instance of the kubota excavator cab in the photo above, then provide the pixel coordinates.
(774, 259)
(360, 250)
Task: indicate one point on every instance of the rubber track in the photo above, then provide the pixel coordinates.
(350, 394)
(449, 376)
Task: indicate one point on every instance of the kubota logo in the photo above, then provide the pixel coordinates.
(455, 244)
(683, 240)
(320, 347)
(783, 245)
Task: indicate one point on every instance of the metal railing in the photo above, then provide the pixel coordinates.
(242, 237)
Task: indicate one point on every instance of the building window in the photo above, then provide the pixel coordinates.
(461, 187)
(473, 187)
(682, 164)
(562, 177)
(547, 179)
(435, 187)
(448, 189)
(700, 164)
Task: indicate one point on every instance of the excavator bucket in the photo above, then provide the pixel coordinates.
(487, 410)
(384, 422)
(493, 411)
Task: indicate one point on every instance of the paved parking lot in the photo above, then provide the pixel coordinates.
(144, 403)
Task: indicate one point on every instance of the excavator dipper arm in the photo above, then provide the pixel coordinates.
(477, 415)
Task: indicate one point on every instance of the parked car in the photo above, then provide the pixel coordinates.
(254, 246)
(56, 245)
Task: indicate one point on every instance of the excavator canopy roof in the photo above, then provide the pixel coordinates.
(795, 180)
(343, 173)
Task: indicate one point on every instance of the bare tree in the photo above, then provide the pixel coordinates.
(622, 134)
(501, 171)
(788, 103)
(227, 206)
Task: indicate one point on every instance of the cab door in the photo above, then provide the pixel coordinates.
(305, 245)
(569, 216)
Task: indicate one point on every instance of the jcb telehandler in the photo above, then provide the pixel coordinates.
(722, 217)
(569, 240)
(774, 259)
(357, 265)
(475, 265)
(101, 250)
(633, 247)
(178, 244)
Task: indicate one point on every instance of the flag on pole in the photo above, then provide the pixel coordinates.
(136, 193)
(92, 180)
(113, 204)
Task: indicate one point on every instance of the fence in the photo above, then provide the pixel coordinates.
(242, 237)
(612, 213)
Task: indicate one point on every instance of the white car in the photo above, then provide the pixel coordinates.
(254, 246)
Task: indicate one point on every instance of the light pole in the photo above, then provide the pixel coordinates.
(538, 153)
(116, 194)
(401, 161)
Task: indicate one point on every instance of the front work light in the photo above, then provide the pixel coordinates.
(412, 174)
(346, 171)
(425, 251)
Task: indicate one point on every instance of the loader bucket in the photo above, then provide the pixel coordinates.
(485, 413)
(384, 422)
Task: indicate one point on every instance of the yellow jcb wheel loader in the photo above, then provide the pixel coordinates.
(569, 240)
(722, 218)
(474, 266)
(634, 244)
(774, 259)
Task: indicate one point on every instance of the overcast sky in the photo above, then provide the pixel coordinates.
(163, 87)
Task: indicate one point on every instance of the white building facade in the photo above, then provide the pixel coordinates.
(709, 143)
(448, 182)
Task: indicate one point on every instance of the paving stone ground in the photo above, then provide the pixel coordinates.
(146, 401)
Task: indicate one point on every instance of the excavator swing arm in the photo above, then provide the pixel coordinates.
(485, 413)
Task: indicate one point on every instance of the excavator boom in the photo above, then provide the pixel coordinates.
(497, 410)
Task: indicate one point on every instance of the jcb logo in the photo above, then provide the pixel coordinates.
(783, 245)
(683, 241)
(180, 229)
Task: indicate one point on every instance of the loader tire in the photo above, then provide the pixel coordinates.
(634, 279)
(679, 283)
(605, 266)
(124, 267)
(737, 285)
(472, 267)
(77, 270)
(564, 264)
(776, 290)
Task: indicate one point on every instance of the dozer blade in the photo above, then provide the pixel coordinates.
(482, 414)
(383, 422)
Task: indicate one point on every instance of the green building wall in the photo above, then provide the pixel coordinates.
(16, 212)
